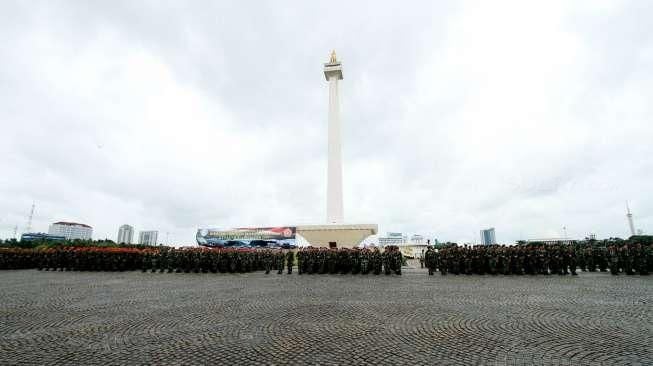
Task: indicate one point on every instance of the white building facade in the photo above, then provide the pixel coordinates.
(392, 239)
(71, 230)
(488, 237)
(125, 234)
(148, 237)
(417, 239)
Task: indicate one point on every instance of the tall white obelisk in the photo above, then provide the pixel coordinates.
(333, 73)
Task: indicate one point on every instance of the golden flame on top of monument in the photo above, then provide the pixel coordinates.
(333, 59)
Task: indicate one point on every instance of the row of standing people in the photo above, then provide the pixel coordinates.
(164, 259)
(355, 261)
(541, 259)
(309, 260)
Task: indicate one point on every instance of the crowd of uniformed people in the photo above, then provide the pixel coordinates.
(214, 260)
(624, 257)
(355, 261)
(159, 259)
(628, 257)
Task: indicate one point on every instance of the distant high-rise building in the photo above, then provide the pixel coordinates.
(630, 220)
(71, 230)
(488, 237)
(125, 234)
(417, 239)
(393, 239)
(148, 237)
(552, 241)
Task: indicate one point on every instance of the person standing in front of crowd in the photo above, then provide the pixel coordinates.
(614, 260)
(267, 261)
(642, 255)
(396, 260)
(429, 259)
(280, 258)
(627, 260)
(443, 262)
(290, 260)
(355, 258)
(492, 261)
(365, 261)
(301, 261)
(377, 261)
(571, 260)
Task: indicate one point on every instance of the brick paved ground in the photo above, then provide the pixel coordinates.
(143, 318)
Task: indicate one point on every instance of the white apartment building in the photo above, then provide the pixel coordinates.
(71, 230)
(125, 234)
(392, 239)
(488, 236)
(148, 237)
(417, 239)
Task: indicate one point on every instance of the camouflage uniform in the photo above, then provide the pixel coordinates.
(290, 260)
(397, 261)
(377, 261)
(443, 263)
(267, 261)
(429, 259)
(300, 261)
(365, 261)
(614, 261)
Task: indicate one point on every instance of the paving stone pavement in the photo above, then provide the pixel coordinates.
(89, 318)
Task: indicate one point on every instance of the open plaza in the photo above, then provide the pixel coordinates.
(109, 318)
(278, 205)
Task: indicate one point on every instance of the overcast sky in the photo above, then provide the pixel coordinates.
(457, 116)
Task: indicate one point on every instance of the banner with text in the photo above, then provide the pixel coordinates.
(275, 235)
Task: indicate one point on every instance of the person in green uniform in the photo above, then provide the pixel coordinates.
(377, 261)
(365, 261)
(429, 259)
(267, 261)
(290, 260)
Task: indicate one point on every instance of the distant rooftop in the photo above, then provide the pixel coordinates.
(37, 236)
(71, 224)
(552, 241)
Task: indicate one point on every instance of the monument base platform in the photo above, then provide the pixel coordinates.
(336, 235)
